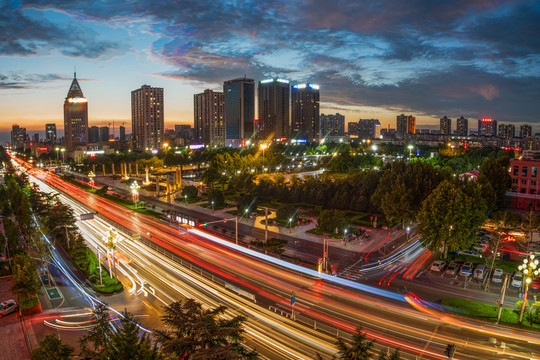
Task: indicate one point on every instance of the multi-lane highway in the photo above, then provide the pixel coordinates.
(397, 320)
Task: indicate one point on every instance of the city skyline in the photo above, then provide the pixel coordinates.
(452, 62)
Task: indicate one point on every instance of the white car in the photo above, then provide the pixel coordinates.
(7, 307)
(517, 279)
(498, 275)
(438, 266)
(479, 272)
(466, 269)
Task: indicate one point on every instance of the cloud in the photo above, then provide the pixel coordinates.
(15, 80)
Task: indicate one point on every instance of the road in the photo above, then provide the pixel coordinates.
(400, 321)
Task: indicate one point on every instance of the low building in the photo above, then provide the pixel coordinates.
(525, 189)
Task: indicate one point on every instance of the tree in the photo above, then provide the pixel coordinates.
(25, 280)
(273, 245)
(286, 212)
(329, 220)
(216, 197)
(495, 172)
(450, 218)
(360, 348)
(94, 344)
(195, 333)
(190, 191)
(52, 348)
(394, 356)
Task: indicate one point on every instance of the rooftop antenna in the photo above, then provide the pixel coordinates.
(75, 71)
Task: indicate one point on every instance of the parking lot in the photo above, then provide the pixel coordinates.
(13, 345)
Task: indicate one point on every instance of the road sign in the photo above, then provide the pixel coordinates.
(89, 216)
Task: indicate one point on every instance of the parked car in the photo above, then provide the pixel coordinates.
(470, 252)
(466, 269)
(438, 266)
(535, 284)
(479, 272)
(452, 269)
(517, 279)
(482, 245)
(498, 275)
(7, 307)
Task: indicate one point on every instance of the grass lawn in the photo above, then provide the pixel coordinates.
(110, 286)
(130, 205)
(486, 312)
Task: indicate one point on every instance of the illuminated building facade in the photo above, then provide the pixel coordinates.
(305, 112)
(446, 126)
(75, 117)
(525, 131)
(332, 125)
(525, 192)
(487, 127)
(462, 127)
(209, 112)
(50, 133)
(147, 118)
(239, 110)
(405, 124)
(273, 103)
(18, 137)
(507, 131)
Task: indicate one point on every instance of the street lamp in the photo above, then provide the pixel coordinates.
(410, 147)
(135, 192)
(91, 176)
(290, 225)
(212, 205)
(57, 152)
(185, 198)
(408, 231)
(263, 147)
(530, 271)
(166, 146)
(110, 240)
(247, 210)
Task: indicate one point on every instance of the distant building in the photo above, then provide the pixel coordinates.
(405, 124)
(104, 133)
(147, 118)
(75, 117)
(487, 127)
(93, 134)
(525, 131)
(123, 133)
(18, 137)
(507, 131)
(239, 110)
(462, 127)
(35, 138)
(353, 128)
(305, 111)
(332, 125)
(446, 126)
(367, 128)
(50, 133)
(273, 101)
(209, 113)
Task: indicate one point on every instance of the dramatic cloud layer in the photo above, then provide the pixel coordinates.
(451, 57)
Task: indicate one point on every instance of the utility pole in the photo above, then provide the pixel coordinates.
(503, 292)
(236, 229)
(265, 225)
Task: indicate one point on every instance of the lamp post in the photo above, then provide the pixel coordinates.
(263, 147)
(530, 271)
(135, 192)
(63, 151)
(410, 147)
(110, 240)
(212, 202)
(290, 225)
(57, 152)
(408, 232)
(247, 210)
(91, 176)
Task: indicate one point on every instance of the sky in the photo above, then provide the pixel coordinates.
(372, 59)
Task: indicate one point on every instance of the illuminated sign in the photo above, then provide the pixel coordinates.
(77, 100)
(313, 86)
(487, 120)
(266, 81)
(95, 152)
(299, 86)
(42, 148)
(282, 81)
(299, 141)
(195, 147)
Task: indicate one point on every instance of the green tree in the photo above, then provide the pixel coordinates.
(273, 245)
(25, 280)
(195, 333)
(394, 356)
(360, 349)
(286, 212)
(190, 191)
(450, 218)
(52, 348)
(495, 172)
(216, 197)
(94, 344)
(330, 220)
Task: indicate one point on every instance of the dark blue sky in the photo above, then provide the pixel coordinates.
(371, 59)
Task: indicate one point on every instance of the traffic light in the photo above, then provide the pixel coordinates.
(450, 350)
(202, 224)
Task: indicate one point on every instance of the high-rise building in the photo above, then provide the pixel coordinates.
(104, 133)
(35, 138)
(18, 137)
(93, 134)
(367, 128)
(239, 108)
(273, 108)
(406, 124)
(487, 127)
(352, 128)
(525, 131)
(305, 111)
(122, 133)
(147, 118)
(446, 126)
(462, 127)
(50, 133)
(75, 117)
(332, 125)
(209, 112)
(507, 131)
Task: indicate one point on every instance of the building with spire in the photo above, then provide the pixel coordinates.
(75, 117)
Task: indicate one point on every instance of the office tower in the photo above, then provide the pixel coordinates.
(104, 133)
(209, 112)
(411, 124)
(406, 124)
(239, 108)
(147, 118)
(35, 138)
(525, 131)
(122, 133)
(446, 126)
(179, 129)
(75, 117)
(367, 128)
(462, 127)
(50, 133)
(507, 131)
(305, 111)
(273, 108)
(487, 127)
(353, 128)
(332, 125)
(18, 137)
(93, 134)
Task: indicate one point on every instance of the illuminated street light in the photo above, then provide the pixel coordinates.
(57, 150)
(110, 240)
(529, 268)
(263, 147)
(63, 150)
(410, 147)
(374, 148)
(135, 192)
(290, 224)
(91, 176)
(212, 205)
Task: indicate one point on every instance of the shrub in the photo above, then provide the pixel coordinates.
(217, 197)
